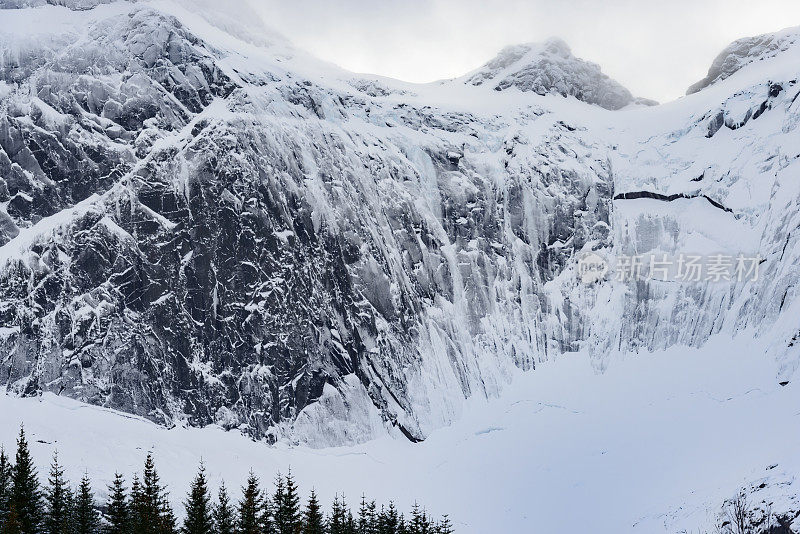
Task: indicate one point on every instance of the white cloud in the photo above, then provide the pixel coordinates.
(655, 48)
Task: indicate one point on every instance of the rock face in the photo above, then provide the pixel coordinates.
(550, 67)
(743, 52)
(190, 239)
(204, 229)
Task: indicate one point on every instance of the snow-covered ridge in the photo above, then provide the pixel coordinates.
(744, 51)
(550, 67)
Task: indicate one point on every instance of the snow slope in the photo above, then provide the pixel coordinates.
(654, 444)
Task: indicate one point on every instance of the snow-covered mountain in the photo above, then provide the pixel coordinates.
(742, 52)
(202, 224)
(550, 68)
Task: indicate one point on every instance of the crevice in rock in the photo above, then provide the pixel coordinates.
(669, 198)
(407, 434)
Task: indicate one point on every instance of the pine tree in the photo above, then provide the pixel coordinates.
(445, 526)
(6, 473)
(381, 522)
(69, 499)
(26, 494)
(224, 515)
(151, 496)
(294, 515)
(276, 504)
(367, 517)
(250, 520)
(11, 525)
(389, 521)
(198, 506)
(362, 515)
(151, 510)
(286, 506)
(350, 524)
(313, 522)
(58, 511)
(86, 518)
(167, 522)
(24, 510)
(117, 507)
(413, 526)
(136, 513)
(419, 523)
(338, 518)
(372, 513)
(267, 516)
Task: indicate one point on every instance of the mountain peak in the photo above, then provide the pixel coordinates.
(744, 51)
(550, 67)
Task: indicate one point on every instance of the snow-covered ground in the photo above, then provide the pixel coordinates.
(655, 443)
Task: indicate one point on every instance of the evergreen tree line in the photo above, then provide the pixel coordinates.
(27, 507)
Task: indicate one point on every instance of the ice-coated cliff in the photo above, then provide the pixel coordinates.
(201, 225)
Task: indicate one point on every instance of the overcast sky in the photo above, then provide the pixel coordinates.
(655, 48)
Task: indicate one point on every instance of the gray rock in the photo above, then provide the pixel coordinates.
(550, 67)
(743, 52)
